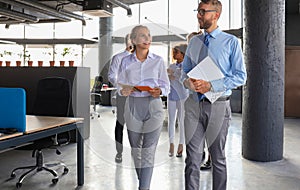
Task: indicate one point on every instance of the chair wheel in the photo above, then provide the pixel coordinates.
(13, 175)
(98, 116)
(18, 185)
(92, 117)
(55, 180)
(66, 170)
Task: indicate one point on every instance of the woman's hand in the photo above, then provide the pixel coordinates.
(155, 92)
(170, 71)
(126, 91)
(171, 74)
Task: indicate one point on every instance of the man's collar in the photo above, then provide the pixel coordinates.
(214, 33)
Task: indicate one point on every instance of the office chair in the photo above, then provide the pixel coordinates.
(96, 97)
(53, 98)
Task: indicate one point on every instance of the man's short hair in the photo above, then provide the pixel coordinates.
(217, 4)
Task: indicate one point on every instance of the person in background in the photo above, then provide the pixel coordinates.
(120, 100)
(177, 96)
(204, 119)
(192, 34)
(144, 113)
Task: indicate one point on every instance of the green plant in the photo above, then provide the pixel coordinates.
(48, 51)
(66, 51)
(26, 55)
(7, 53)
(20, 55)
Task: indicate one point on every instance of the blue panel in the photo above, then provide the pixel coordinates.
(13, 108)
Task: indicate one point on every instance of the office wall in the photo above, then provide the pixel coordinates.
(292, 83)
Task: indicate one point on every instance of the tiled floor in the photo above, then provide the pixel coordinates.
(101, 172)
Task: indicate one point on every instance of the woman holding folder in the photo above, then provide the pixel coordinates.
(144, 113)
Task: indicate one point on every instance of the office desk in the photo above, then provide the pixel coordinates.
(108, 89)
(106, 94)
(38, 127)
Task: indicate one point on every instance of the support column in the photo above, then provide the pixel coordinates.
(263, 109)
(105, 45)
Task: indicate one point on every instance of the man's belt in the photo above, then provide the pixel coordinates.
(222, 98)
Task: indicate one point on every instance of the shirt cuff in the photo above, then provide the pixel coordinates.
(217, 85)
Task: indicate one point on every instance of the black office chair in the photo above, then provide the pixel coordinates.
(96, 97)
(53, 98)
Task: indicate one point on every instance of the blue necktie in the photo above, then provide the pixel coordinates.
(206, 39)
(206, 42)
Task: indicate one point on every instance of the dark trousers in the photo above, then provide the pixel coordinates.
(119, 137)
(120, 123)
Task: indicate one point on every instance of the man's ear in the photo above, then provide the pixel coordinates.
(217, 15)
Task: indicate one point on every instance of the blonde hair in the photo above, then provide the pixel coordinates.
(133, 33)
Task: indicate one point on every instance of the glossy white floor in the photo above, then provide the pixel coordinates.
(102, 173)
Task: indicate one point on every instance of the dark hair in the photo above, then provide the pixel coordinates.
(192, 34)
(181, 48)
(217, 4)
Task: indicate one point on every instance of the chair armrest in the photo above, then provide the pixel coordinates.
(96, 94)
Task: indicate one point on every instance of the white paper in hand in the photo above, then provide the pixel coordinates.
(207, 70)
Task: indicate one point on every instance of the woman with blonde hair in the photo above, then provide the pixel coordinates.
(143, 78)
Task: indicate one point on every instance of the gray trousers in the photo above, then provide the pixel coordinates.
(144, 118)
(210, 121)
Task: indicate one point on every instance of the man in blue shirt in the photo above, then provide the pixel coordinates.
(204, 119)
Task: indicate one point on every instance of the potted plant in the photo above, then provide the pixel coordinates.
(1, 55)
(27, 58)
(72, 54)
(50, 53)
(71, 62)
(19, 62)
(40, 63)
(66, 51)
(7, 54)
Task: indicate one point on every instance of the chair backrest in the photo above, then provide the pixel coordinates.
(53, 97)
(96, 90)
(97, 84)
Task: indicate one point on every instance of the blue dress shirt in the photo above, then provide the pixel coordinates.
(177, 91)
(225, 50)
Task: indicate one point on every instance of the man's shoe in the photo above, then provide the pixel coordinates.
(118, 158)
(205, 166)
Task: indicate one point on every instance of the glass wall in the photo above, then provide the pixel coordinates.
(163, 17)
